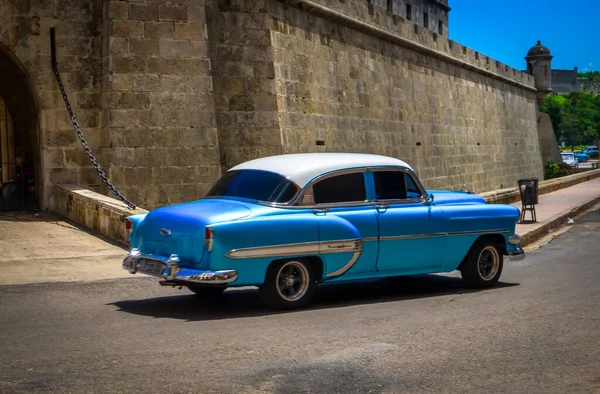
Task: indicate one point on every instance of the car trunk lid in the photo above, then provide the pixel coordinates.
(180, 229)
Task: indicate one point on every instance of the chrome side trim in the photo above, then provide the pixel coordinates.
(413, 236)
(346, 267)
(327, 247)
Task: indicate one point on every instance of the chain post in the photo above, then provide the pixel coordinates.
(78, 129)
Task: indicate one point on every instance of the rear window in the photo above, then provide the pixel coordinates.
(254, 185)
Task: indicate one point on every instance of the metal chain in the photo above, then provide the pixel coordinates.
(85, 145)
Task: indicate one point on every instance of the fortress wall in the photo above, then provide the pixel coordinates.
(344, 88)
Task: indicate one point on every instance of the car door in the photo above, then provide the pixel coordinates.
(408, 240)
(345, 215)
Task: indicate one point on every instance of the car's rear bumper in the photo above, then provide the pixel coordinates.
(516, 255)
(168, 268)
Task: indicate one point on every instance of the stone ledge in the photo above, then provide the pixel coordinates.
(510, 195)
(95, 211)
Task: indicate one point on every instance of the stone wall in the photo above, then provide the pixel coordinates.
(548, 142)
(158, 104)
(340, 89)
(169, 94)
(24, 34)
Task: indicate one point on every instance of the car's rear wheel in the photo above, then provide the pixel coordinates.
(289, 284)
(483, 264)
(206, 290)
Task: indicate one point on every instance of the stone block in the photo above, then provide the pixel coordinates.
(200, 101)
(129, 100)
(195, 137)
(160, 66)
(121, 82)
(146, 82)
(126, 28)
(144, 47)
(166, 137)
(192, 66)
(118, 46)
(173, 13)
(59, 176)
(183, 49)
(77, 157)
(116, 10)
(130, 137)
(190, 31)
(54, 157)
(138, 176)
(128, 65)
(186, 83)
(119, 156)
(164, 30)
(150, 157)
(144, 12)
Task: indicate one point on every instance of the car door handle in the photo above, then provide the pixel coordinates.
(320, 210)
(382, 206)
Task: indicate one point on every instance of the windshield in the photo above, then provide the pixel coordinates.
(567, 156)
(254, 185)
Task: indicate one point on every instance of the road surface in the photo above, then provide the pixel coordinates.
(537, 332)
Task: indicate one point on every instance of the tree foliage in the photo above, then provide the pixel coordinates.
(575, 117)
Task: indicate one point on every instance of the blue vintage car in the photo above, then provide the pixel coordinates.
(287, 223)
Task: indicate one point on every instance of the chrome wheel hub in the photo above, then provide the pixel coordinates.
(488, 263)
(292, 281)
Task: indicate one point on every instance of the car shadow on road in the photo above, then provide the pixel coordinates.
(240, 303)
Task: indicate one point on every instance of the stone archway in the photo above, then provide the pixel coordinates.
(20, 166)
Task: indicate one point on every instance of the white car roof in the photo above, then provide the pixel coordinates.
(300, 168)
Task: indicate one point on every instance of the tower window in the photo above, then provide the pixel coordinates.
(441, 28)
(409, 12)
(426, 20)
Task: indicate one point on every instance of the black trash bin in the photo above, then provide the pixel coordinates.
(528, 188)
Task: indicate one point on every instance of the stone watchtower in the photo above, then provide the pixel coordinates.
(538, 64)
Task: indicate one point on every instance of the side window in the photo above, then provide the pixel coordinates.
(340, 188)
(389, 185)
(412, 190)
(395, 185)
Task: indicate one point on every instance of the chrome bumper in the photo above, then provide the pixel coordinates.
(516, 255)
(168, 268)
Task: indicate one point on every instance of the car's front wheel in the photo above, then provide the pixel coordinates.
(289, 284)
(483, 264)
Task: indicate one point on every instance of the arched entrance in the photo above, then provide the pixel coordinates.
(19, 137)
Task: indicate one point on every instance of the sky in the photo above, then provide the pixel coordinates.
(505, 30)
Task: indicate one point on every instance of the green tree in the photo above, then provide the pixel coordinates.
(575, 117)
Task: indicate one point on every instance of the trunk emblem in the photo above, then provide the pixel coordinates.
(165, 231)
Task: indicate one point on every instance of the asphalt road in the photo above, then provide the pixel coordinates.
(538, 332)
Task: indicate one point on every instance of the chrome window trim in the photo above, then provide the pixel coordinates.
(295, 203)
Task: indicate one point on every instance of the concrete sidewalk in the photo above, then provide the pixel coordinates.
(48, 248)
(555, 208)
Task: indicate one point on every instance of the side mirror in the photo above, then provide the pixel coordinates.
(429, 199)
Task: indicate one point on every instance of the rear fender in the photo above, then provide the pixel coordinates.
(250, 245)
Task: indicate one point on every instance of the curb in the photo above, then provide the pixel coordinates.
(558, 221)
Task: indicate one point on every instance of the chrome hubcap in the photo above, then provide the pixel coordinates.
(489, 263)
(292, 281)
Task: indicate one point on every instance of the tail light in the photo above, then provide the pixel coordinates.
(208, 239)
(128, 226)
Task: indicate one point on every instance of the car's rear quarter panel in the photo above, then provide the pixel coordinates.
(256, 232)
